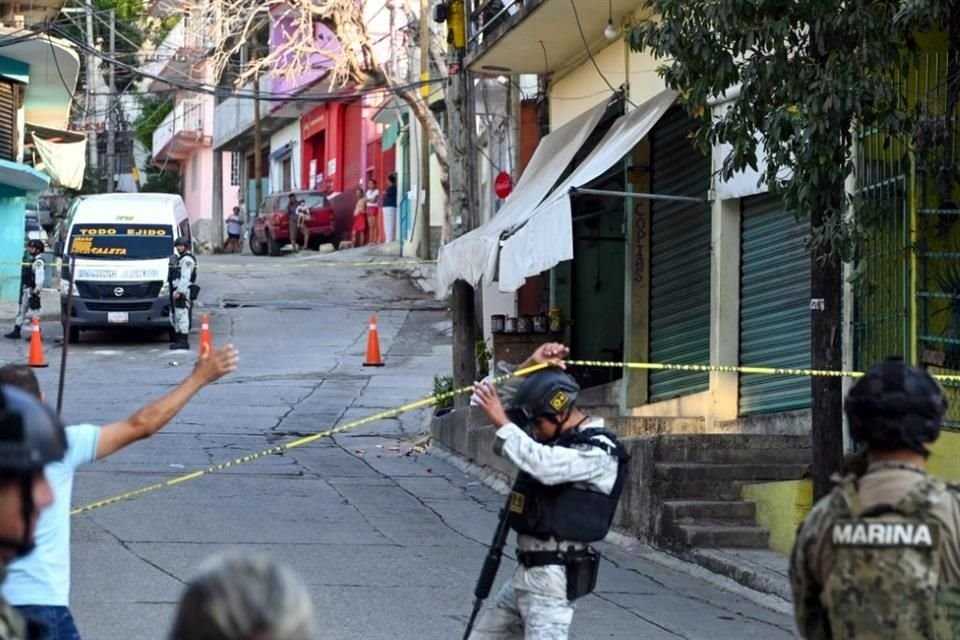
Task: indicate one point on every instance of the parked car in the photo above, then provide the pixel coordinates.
(271, 228)
(34, 231)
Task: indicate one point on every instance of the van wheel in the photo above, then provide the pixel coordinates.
(273, 247)
(257, 248)
(74, 336)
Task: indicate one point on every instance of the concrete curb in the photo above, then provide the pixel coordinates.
(712, 566)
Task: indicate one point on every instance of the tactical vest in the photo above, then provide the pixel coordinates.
(174, 271)
(885, 578)
(566, 511)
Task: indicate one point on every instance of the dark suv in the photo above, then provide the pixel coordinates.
(271, 227)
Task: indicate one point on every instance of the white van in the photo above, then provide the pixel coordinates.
(122, 244)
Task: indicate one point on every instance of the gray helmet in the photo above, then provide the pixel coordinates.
(36, 244)
(545, 393)
(31, 437)
(896, 406)
(182, 241)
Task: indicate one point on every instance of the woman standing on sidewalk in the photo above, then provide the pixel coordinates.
(373, 211)
(359, 219)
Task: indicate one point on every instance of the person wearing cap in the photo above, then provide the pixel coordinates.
(31, 282)
(878, 558)
(571, 476)
(183, 291)
(31, 437)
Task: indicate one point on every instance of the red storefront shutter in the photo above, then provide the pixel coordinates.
(352, 159)
(375, 162)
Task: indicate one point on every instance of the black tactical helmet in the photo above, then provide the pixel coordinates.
(181, 242)
(31, 436)
(36, 244)
(545, 393)
(896, 406)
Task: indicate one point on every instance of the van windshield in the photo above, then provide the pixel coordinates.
(121, 241)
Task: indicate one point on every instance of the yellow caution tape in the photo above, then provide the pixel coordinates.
(279, 449)
(436, 399)
(277, 265)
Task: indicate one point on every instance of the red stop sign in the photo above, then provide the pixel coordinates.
(503, 185)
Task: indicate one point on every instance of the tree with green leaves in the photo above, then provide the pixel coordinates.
(810, 74)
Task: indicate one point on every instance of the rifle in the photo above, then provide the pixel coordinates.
(491, 565)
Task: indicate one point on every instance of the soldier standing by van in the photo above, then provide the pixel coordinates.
(879, 557)
(183, 291)
(31, 281)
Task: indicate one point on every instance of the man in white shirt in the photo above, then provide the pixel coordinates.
(571, 476)
(38, 585)
(234, 231)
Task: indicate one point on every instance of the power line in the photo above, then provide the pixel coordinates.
(264, 96)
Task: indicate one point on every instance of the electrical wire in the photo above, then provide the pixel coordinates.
(264, 96)
(586, 45)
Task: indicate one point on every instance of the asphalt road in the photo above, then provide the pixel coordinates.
(389, 539)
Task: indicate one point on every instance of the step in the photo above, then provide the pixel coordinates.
(707, 490)
(693, 511)
(733, 448)
(739, 455)
(686, 471)
(710, 534)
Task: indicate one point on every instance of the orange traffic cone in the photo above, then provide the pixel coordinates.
(373, 345)
(36, 346)
(206, 339)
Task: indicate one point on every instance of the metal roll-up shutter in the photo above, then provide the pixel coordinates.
(774, 306)
(680, 259)
(8, 121)
(353, 148)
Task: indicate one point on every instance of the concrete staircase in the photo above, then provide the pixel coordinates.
(698, 480)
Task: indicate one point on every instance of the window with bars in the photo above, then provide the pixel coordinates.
(234, 169)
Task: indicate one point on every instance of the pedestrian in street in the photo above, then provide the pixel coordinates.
(234, 231)
(244, 596)
(879, 557)
(372, 196)
(39, 585)
(31, 282)
(31, 437)
(390, 208)
(182, 278)
(360, 219)
(571, 475)
(303, 216)
(292, 205)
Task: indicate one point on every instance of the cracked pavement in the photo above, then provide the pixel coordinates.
(390, 541)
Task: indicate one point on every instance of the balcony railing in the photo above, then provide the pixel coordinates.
(185, 121)
(234, 116)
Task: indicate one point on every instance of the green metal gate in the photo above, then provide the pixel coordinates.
(774, 306)
(680, 260)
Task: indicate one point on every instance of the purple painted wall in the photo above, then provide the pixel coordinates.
(279, 33)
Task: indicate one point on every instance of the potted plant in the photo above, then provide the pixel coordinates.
(442, 385)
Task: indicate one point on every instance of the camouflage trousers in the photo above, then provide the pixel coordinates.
(180, 319)
(523, 615)
(25, 314)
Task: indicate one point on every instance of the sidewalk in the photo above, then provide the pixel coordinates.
(49, 308)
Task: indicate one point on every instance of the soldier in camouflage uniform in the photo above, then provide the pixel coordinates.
(31, 437)
(879, 557)
(182, 279)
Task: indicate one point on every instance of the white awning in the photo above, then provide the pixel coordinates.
(474, 255)
(547, 237)
(63, 154)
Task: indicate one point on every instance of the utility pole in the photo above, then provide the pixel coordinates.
(217, 213)
(422, 224)
(91, 74)
(257, 135)
(111, 113)
(460, 125)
